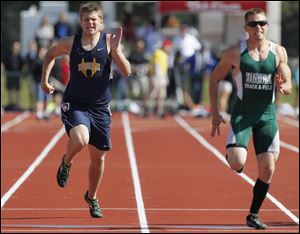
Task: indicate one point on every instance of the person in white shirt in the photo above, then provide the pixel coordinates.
(187, 45)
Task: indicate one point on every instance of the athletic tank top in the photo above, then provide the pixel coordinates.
(255, 82)
(89, 74)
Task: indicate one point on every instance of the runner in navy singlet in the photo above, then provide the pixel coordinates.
(85, 108)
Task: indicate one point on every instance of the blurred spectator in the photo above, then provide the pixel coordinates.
(62, 28)
(296, 82)
(139, 66)
(188, 45)
(13, 68)
(2, 68)
(197, 69)
(128, 33)
(45, 33)
(2, 51)
(42, 99)
(176, 79)
(30, 60)
(150, 35)
(158, 72)
(31, 56)
(121, 88)
(138, 55)
(172, 22)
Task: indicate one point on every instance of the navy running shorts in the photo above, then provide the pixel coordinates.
(97, 120)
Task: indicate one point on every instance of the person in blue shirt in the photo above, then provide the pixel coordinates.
(85, 109)
(62, 28)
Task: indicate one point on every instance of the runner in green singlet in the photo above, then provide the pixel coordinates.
(254, 64)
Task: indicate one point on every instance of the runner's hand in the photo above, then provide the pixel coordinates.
(48, 88)
(217, 119)
(279, 83)
(115, 39)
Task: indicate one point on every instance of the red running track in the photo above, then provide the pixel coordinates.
(184, 186)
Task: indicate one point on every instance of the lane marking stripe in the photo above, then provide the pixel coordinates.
(134, 209)
(16, 120)
(32, 167)
(133, 230)
(289, 146)
(158, 226)
(135, 174)
(292, 122)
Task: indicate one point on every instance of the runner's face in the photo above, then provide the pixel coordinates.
(257, 26)
(91, 23)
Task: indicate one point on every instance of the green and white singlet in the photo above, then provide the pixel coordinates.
(254, 109)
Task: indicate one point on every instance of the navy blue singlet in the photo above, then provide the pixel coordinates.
(90, 74)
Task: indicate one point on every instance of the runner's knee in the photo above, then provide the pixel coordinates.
(235, 162)
(80, 139)
(236, 165)
(266, 173)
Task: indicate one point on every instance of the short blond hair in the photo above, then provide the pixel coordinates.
(90, 7)
(254, 11)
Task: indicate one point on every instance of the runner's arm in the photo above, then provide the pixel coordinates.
(283, 77)
(63, 46)
(117, 54)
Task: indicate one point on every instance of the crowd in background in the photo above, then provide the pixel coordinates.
(168, 72)
(30, 66)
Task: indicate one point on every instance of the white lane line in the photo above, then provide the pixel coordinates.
(16, 120)
(32, 167)
(62, 226)
(135, 174)
(174, 227)
(217, 153)
(133, 230)
(150, 209)
(292, 122)
(289, 146)
(114, 230)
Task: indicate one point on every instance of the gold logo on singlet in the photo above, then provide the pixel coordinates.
(93, 66)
